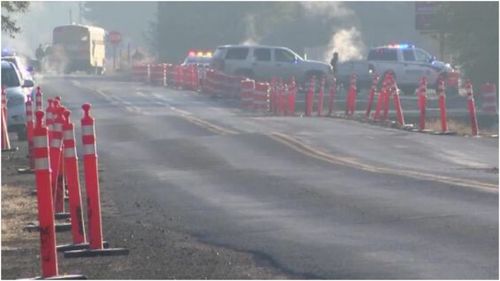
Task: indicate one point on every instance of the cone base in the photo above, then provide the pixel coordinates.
(81, 246)
(25, 171)
(96, 253)
(60, 227)
(62, 216)
(63, 277)
(447, 133)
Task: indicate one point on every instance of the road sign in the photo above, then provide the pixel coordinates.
(114, 37)
(425, 15)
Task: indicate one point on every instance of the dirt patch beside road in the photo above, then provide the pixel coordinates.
(155, 251)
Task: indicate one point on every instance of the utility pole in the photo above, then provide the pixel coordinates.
(80, 12)
(441, 45)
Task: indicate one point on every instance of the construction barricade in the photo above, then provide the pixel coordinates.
(141, 72)
(246, 94)
(488, 94)
(261, 97)
(159, 74)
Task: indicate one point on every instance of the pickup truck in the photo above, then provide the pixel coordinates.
(406, 62)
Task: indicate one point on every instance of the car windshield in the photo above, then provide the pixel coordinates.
(10, 77)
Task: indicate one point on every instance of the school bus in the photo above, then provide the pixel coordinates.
(78, 48)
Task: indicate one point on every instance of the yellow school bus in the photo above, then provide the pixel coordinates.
(78, 48)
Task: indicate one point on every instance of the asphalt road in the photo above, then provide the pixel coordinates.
(319, 197)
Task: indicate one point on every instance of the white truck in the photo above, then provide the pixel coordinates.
(406, 62)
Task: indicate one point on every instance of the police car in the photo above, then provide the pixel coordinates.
(201, 59)
(12, 57)
(406, 62)
(17, 95)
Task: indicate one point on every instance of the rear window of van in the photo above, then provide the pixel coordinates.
(236, 53)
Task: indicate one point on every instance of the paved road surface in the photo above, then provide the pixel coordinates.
(320, 197)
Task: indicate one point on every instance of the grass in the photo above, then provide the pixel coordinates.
(459, 127)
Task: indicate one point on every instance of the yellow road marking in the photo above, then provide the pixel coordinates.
(353, 163)
(209, 126)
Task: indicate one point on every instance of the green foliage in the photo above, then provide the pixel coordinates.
(10, 8)
(472, 35)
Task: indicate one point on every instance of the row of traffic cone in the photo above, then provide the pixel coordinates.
(55, 164)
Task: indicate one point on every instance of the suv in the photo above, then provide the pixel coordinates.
(265, 62)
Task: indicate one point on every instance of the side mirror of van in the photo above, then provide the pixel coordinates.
(28, 84)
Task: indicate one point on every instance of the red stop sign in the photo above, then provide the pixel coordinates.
(115, 37)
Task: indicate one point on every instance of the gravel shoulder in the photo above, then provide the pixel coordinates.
(156, 252)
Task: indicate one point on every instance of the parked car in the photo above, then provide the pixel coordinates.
(406, 62)
(265, 62)
(17, 91)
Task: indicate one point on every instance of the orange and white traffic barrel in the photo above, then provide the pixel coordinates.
(48, 254)
(441, 91)
(261, 97)
(246, 94)
(397, 103)
(292, 94)
(371, 95)
(331, 96)
(56, 160)
(70, 160)
(471, 105)
(422, 102)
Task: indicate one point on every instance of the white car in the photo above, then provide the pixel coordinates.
(17, 90)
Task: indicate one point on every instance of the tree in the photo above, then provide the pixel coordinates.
(9, 8)
(471, 30)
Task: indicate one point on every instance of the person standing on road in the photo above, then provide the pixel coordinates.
(334, 62)
(39, 54)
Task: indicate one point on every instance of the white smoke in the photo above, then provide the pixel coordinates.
(345, 38)
(347, 43)
(251, 37)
